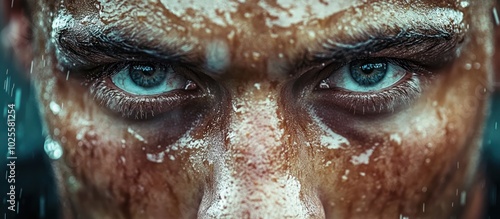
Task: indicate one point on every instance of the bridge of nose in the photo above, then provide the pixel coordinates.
(256, 176)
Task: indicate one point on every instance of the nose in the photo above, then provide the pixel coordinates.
(257, 174)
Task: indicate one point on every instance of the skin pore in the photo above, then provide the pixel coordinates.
(259, 120)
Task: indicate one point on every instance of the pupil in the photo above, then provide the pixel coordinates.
(370, 67)
(368, 73)
(146, 70)
(146, 76)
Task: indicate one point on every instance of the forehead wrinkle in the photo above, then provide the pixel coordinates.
(286, 13)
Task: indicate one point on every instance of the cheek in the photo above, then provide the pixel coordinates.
(110, 162)
(423, 156)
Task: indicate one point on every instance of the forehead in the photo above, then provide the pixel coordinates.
(277, 13)
(256, 15)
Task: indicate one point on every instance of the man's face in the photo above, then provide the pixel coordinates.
(286, 109)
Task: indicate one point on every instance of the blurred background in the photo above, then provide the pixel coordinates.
(35, 184)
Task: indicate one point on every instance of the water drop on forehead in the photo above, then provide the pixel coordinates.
(464, 4)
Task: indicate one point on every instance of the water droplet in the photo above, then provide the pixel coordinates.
(123, 143)
(312, 34)
(73, 184)
(495, 16)
(468, 66)
(54, 107)
(52, 148)
(328, 163)
(255, 55)
(464, 4)
(91, 134)
(190, 85)
(344, 177)
(324, 85)
(257, 85)
(18, 98)
(79, 135)
(56, 131)
(157, 158)
(136, 135)
(31, 68)
(463, 198)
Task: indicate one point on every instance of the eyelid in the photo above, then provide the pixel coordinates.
(139, 107)
(388, 100)
(106, 93)
(333, 66)
(385, 101)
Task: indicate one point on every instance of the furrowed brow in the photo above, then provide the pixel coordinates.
(87, 45)
(402, 44)
(403, 38)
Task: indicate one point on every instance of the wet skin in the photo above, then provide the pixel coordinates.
(255, 129)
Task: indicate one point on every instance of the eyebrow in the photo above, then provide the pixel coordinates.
(405, 44)
(413, 36)
(91, 45)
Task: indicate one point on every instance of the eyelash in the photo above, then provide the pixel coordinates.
(388, 100)
(385, 101)
(131, 106)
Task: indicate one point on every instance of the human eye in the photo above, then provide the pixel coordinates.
(372, 85)
(365, 75)
(150, 79)
(142, 90)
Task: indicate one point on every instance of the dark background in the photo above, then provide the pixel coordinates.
(35, 184)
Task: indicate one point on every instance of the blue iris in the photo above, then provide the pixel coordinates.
(146, 76)
(368, 73)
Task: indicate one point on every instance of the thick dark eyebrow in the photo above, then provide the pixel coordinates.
(405, 44)
(90, 46)
(411, 34)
